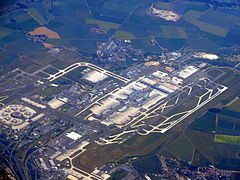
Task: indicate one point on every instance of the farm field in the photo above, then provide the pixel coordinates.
(36, 16)
(181, 148)
(124, 35)
(125, 21)
(104, 26)
(227, 139)
(214, 136)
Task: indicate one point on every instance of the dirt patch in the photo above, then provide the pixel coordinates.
(45, 31)
(152, 63)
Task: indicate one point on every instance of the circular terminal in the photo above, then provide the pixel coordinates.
(16, 114)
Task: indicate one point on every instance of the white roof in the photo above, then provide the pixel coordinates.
(73, 135)
(188, 71)
(55, 103)
(159, 74)
(95, 76)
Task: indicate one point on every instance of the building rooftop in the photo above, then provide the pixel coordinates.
(73, 135)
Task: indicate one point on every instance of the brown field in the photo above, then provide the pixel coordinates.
(152, 63)
(45, 31)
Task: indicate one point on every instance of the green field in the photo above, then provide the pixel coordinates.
(166, 153)
(193, 16)
(103, 25)
(74, 20)
(4, 57)
(162, 5)
(222, 17)
(36, 16)
(210, 28)
(199, 159)
(148, 164)
(118, 6)
(203, 142)
(227, 139)
(195, 6)
(59, 42)
(22, 17)
(60, 3)
(182, 148)
(235, 106)
(217, 20)
(204, 123)
(29, 24)
(124, 35)
(173, 32)
(5, 31)
(118, 175)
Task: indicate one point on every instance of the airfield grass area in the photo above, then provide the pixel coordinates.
(220, 138)
(136, 146)
(41, 58)
(235, 106)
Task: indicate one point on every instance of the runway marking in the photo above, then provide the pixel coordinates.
(68, 69)
(2, 98)
(186, 114)
(167, 124)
